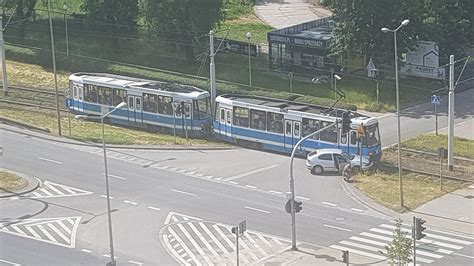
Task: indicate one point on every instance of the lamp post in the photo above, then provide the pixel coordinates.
(249, 35)
(65, 23)
(109, 216)
(385, 30)
(54, 68)
(292, 186)
(336, 78)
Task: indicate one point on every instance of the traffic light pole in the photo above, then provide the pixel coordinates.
(292, 186)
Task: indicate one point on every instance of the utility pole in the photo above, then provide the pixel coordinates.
(451, 113)
(4, 64)
(54, 68)
(212, 71)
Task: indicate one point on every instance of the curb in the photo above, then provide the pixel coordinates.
(25, 190)
(12, 122)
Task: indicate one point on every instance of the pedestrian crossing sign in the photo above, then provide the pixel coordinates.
(435, 99)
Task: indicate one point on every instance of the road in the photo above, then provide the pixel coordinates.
(177, 207)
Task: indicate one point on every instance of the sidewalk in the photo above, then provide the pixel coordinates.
(284, 13)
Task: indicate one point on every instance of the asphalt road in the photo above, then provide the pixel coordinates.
(166, 203)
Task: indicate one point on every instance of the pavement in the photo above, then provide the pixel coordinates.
(284, 13)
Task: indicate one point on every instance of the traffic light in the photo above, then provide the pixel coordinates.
(345, 256)
(298, 206)
(419, 228)
(346, 122)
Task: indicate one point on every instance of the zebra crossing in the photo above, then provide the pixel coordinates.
(436, 245)
(126, 157)
(193, 241)
(58, 231)
(53, 190)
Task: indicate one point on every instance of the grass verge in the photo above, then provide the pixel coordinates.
(91, 131)
(417, 189)
(11, 182)
(431, 142)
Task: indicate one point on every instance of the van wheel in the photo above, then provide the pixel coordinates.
(317, 170)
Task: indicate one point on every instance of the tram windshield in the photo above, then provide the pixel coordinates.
(202, 108)
(372, 136)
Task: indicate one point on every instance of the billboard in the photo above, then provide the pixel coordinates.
(423, 61)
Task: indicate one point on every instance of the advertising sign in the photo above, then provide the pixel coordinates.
(423, 61)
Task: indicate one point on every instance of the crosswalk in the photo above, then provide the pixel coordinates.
(58, 231)
(53, 190)
(436, 245)
(192, 241)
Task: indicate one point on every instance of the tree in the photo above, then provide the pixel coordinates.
(114, 12)
(182, 21)
(399, 251)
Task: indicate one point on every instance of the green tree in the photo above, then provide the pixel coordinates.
(399, 251)
(113, 12)
(182, 21)
(23, 8)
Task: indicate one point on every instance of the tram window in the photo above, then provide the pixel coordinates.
(275, 122)
(258, 119)
(228, 116)
(167, 106)
(344, 138)
(204, 108)
(353, 138)
(288, 128)
(104, 95)
(241, 116)
(222, 115)
(150, 103)
(310, 126)
(93, 94)
(138, 103)
(119, 96)
(330, 134)
(218, 105)
(75, 93)
(178, 110)
(187, 110)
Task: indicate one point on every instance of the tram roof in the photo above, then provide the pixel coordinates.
(290, 105)
(131, 82)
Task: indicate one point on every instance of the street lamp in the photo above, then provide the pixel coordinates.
(336, 78)
(65, 22)
(54, 68)
(386, 30)
(249, 35)
(109, 216)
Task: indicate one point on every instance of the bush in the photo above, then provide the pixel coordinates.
(377, 107)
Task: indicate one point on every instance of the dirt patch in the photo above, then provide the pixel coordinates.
(10, 182)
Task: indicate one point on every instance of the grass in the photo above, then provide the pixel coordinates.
(34, 76)
(238, 28)
(431, 142)
(91, 131)
(417, 189)
(11, 182)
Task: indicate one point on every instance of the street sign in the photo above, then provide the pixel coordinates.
(67, 93)
(242, 227)
(360, 131)
(435, 99)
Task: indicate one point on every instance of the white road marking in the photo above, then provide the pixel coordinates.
(45, 191)
(17, 229)
(264, 240)
(176, 255)
(130, 202)
(301, 198)
(153, 208)
(33, 232)
(47, 234)
(204, 240)
(49, 160)
(276, 192)
(116, 176)
(9, 262)
(232, 182)
(195, 245)
(249, 186)
(328, 203)
(183, 192)
(208, 177)
(247, 235)
(357, 210)
(65, 228)
(86, 250)
(135, 262)
(338, 228)
(462, 255)
(367, 254)
(254, 209)
(58, 232)
(105, 196)
(199, 175)
(452, 234)
(251, 172)
(214, 239)
(55, 190)
(458, 241)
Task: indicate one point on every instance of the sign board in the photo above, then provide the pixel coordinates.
(360, 131)
(231, 46)
(371, 69)
(242, 227)
(423, 61)
(442, 153)
(67, 93)
(435, 99)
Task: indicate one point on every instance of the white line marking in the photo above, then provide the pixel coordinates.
(183, 192)
(250, 208)
(65, 228)
(208, 177)
(373, 242)
(276, 192)
(338, 228)
(9, 262)
(33, 232)
(46, 233)
(301, 198)
(199, 175)
(130, 202)
(462, 255)
(116, 176)
(135, 262)
(359, 252)
(429, 235)
(204, 240)
(194, 244)
(86, 250)
(58, 232)
(229, 243)
(214, 239)
(247, 235)
(218, 178)
(262, 238)
(49, 160)
(249, 186)
(17, 229)
(45, 191)
(251, 172)
(328, 203)
(357, 210)
(153, 208)
(452, 234)
(176, 255)
(105, 196)
(36, 194)
(57, 191)
(232, 182)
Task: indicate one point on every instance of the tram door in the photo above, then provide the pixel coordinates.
(135, 109)
(226, 122)
(292, 133)
(78, 95)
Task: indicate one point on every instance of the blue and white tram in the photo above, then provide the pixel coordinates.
(278, 125)
(150, 104)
